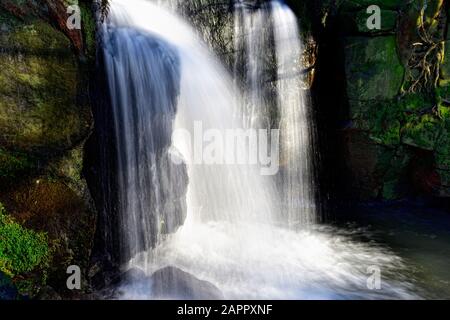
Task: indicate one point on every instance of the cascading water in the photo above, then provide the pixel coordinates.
(297, 130)
(157, 67)
(268, 37)
(144, 84)
(252, 39)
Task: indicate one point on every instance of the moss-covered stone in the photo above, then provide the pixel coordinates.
(38, 91)
(415, 102)
(442, 156)
(89, 29)
(373, 72)
(399, 126)
(389, 191)
(445, 66)
(14, 164)
(49, 205)
(421, 132)
(45, 118)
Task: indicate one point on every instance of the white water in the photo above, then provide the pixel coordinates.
(252, 30)
(297, 129)
(267, 32)
(230, 237)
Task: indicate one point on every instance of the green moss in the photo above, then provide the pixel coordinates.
(89, 29)
(444, 112)
(390, 190)
(373, 70)
(38, 107)
(442, 156)
(21, 250)
(445, 67)
(443, 93)
(37, 36)
(445, 177)
(383, 121)
(413, 102)
(421, 131)
(68, 169)
(13, 164)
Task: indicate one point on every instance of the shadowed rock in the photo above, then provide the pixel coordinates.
(173, 283)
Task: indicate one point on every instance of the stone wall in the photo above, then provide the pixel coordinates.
(393, 109)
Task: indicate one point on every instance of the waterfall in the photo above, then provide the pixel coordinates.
(186, 199)
(142, 56)
(252, 54)
(297, 129)
(144, 83)
(269, 37)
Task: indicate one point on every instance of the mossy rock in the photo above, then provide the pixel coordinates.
(47, 204)
(371, 164)
(416, 102)
(45, 118)
(383, 122)
(445, 66)
(36, 37)
(373, 72)
(442, 155)
(421, 132)
(445, 177)
(21, 250)
(40, 109)
(398, 164)
(14, 164)
(390, 190)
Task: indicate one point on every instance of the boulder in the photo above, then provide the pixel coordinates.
(41, 109)
(174, 283)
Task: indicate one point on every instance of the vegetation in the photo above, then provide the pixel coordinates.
(21, 250)
(12, 164)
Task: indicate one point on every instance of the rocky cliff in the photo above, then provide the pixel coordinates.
(45, 118)
(387, 94)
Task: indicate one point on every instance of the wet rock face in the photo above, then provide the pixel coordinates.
(392, 113)
(166, 283)
(40, 107)
(51, 12)
(45, 117)
(174, 283)
(138, 142)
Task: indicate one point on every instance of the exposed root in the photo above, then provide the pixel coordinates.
(427, 54)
